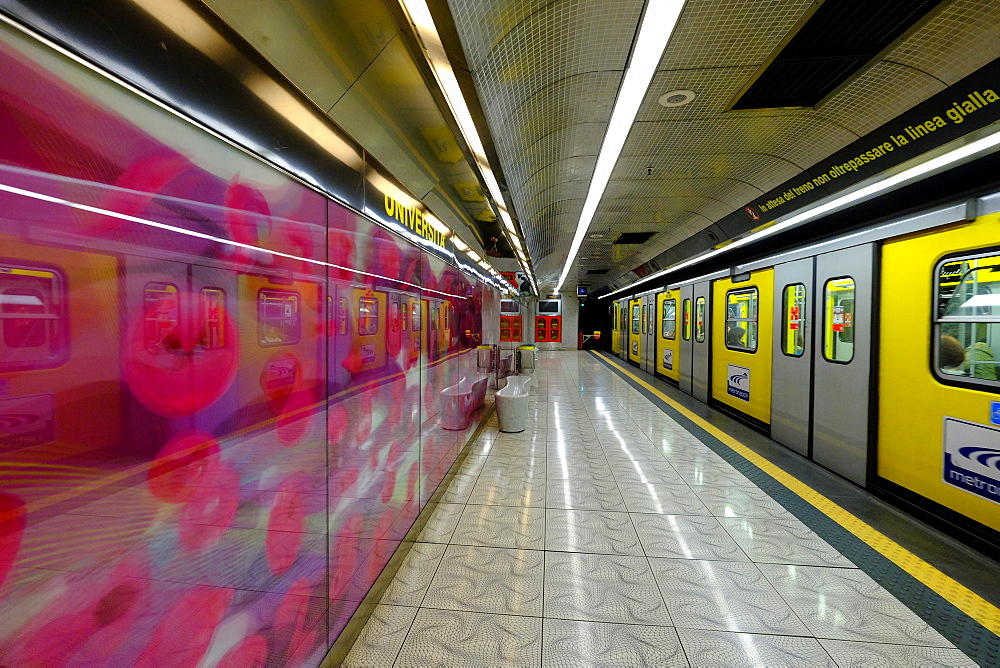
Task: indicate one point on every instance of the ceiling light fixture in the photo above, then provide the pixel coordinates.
(864, 190)
(658, 22)
(420, 16)
(677, 98)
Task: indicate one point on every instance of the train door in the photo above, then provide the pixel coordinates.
(155, 350)
(686, 349)
(623, 329)
(649, 341)
(215, 294)
(792, 360)
(700, 345)
(394, 333)
(843, 360)
(635, 331)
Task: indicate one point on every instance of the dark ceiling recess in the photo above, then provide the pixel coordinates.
(837, 40)
(634, 238)
(597, 271)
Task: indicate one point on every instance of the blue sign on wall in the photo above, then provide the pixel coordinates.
(995, 412)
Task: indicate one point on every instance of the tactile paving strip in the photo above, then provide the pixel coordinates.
(963, 617)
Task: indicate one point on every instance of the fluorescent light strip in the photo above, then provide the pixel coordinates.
(914, 173)
(658, 22)
(201, 235)
(423, 22)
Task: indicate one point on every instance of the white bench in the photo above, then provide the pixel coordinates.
(512, 403)
(460, 401)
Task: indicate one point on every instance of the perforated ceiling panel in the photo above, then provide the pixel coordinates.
(547, 74)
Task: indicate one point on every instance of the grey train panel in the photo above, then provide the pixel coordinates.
(685, 384)
(791, 375)
(701, 357)
(840, 407)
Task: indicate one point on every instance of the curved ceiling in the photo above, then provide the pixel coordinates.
(547, 74)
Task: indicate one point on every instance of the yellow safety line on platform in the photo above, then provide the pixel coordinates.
(960, 596)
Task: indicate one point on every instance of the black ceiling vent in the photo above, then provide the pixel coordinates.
(597, 271)
(837, 40)
(634, 238)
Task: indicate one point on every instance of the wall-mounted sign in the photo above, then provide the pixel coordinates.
(581, 290)
(972, 458)
(414, 219)
(739, 382)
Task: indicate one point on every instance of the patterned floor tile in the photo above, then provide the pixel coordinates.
(741, 502)
(459, 489)
(602, 588)
(500, 466)
(584, 495)
(414, 575)
(723, 596)
(719, 648)
(488, 579)
(576, 643)
(508, 491)
(501, 526)
(858, 654)
(782, 541)
(663, 499)
(591, 531)
(455, 638)
(579, 469)
(710, 474)
(686, 537)
(383, 635)
(442, 522)
(846, 604)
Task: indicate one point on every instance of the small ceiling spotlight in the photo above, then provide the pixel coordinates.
(677, 98)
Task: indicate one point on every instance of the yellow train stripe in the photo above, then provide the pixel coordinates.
(963, 598)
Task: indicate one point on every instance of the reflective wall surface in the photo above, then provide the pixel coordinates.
(222, 395)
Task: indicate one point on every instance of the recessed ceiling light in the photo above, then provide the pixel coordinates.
(596, 236)
(677, 98)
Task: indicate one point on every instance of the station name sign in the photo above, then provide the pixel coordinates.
(415, 220)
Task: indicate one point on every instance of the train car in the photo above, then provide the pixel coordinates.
(787, 347)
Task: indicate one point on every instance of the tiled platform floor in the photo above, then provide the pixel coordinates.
(605, 534)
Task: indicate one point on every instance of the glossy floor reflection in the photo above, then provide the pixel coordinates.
(605, 534)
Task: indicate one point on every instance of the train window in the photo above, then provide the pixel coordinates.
(793, 320)
(741, 320)
(213, 318)
(367, 316)
(161, 319)
(279, 319)
(342, 316)
(968, 320)
(838, 320)
(635, 318)
(699, 319)
(686, 322)
(668, 324)
(32, 303)
(643, 318)
(415, 316)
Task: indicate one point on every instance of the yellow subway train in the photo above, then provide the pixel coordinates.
(876, 354)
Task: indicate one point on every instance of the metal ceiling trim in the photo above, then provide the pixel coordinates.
(955, 213)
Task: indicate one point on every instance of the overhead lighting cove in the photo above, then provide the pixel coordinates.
(658, 22)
